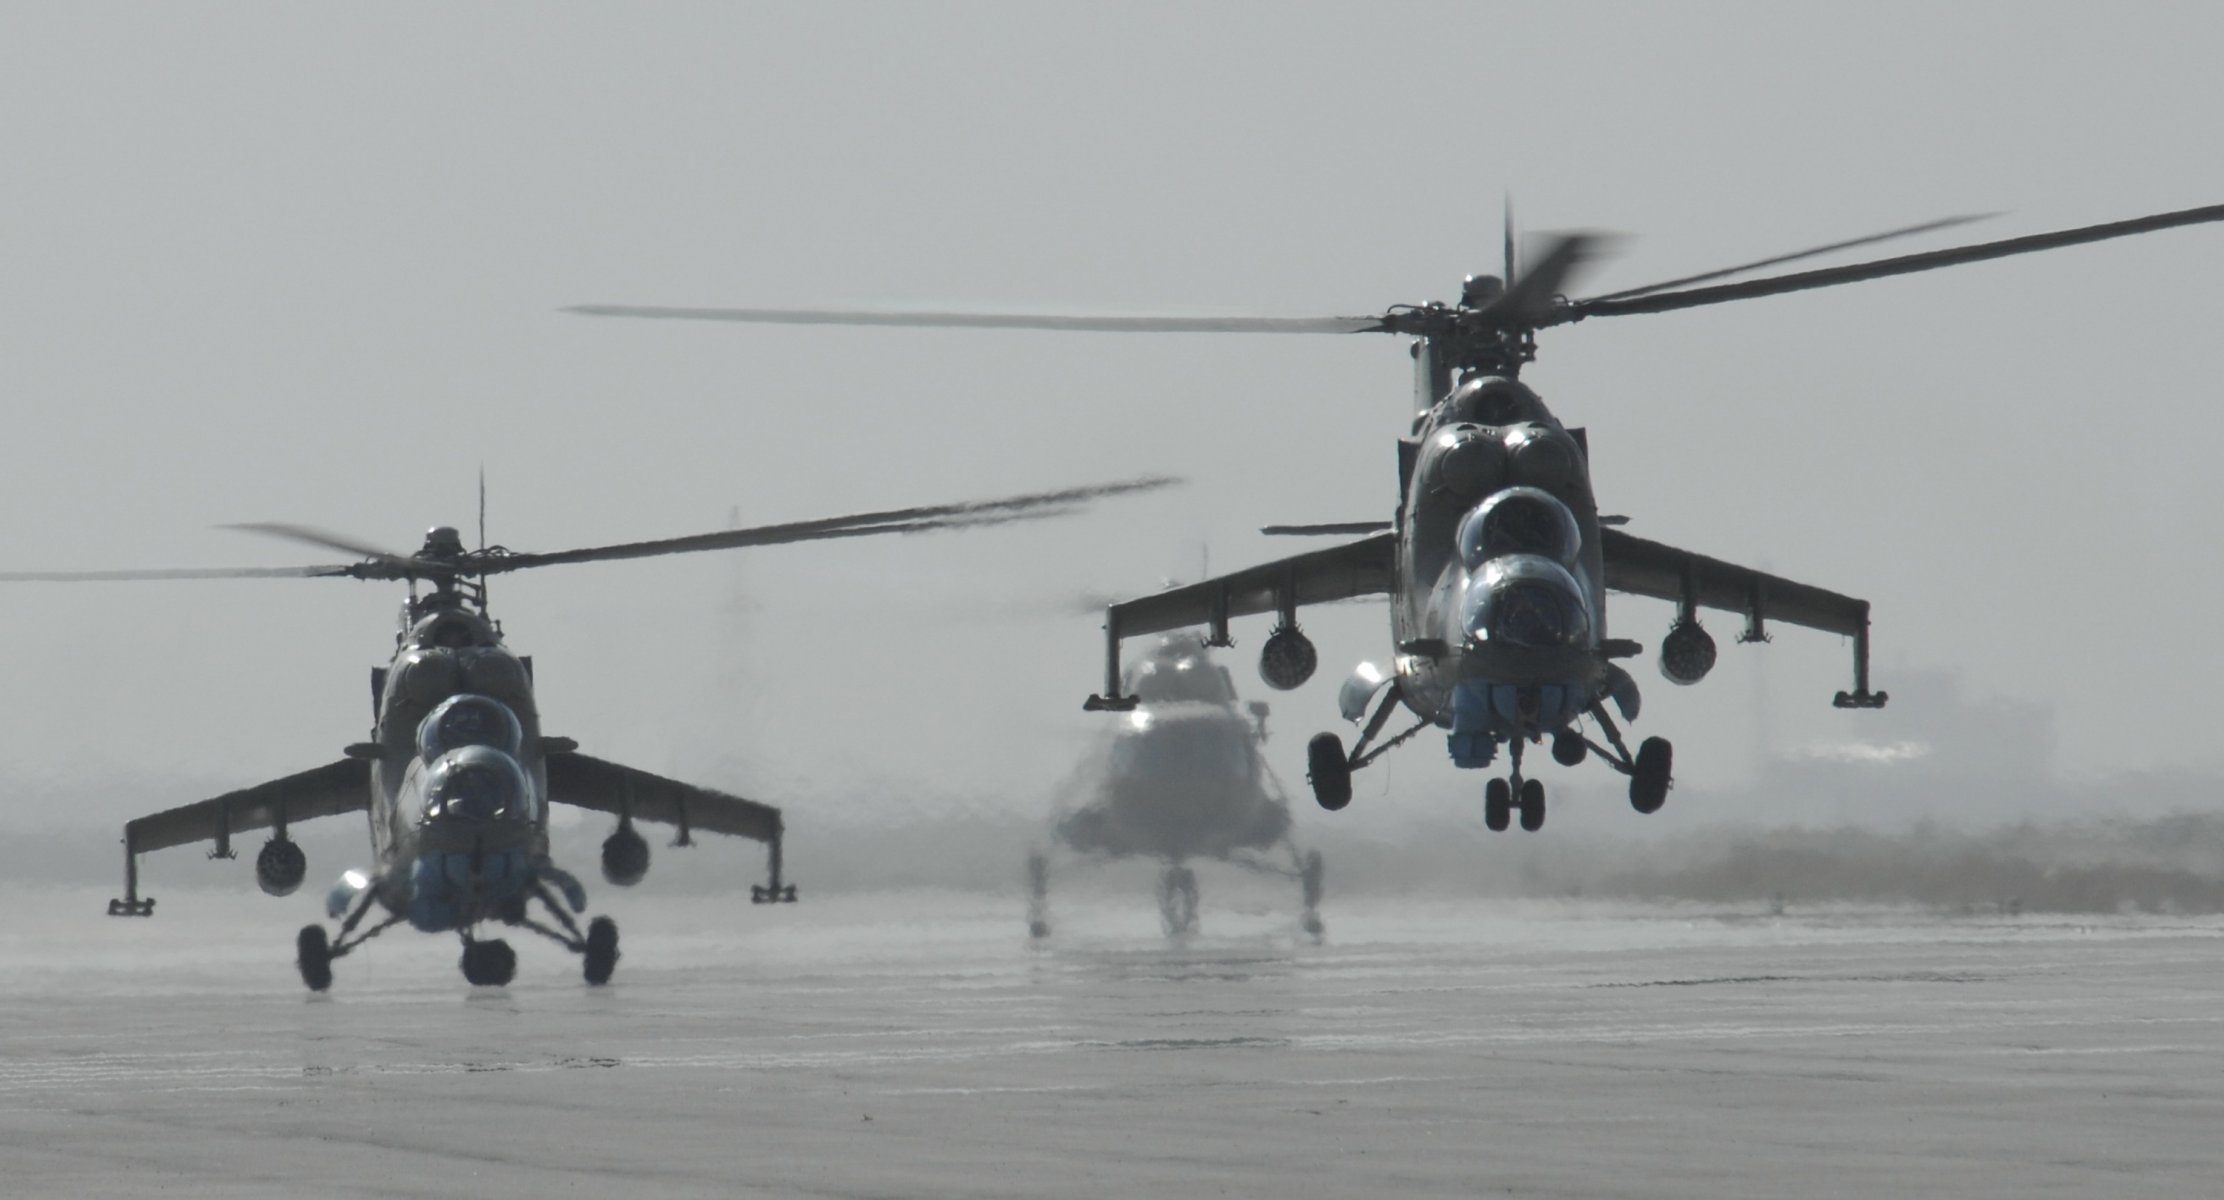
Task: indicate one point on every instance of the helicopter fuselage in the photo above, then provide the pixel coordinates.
(1497, 607)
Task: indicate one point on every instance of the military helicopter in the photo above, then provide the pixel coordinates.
(1181, 779)
(1497, 562)
(457, 778)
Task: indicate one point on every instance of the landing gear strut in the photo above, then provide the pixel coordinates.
(1329, 768)
(1309, 885)
(314, 952)
(598, 946)
(1503, 797)
(1038, 895)
(1177, 900)
(1651, 770)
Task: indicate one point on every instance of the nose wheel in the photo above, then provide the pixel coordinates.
(488, 964)
(1503, 798)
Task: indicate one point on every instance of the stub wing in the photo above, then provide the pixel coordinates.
(1363, 568)
(586, 782)
(1367, 567)
(329, 790)
(1695, 581)
(1665, 573)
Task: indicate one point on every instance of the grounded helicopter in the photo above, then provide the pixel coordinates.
(1181, 779)
(1497, 563)
(457, 778)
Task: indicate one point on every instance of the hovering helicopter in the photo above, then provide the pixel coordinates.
(1181, 779)
(457, 778)
(1497, 562)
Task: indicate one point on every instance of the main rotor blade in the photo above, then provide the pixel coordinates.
(951, 320)
(178, 573)
(1795, 256)
(320, 538)
(1904, 265)
(1533, 299)
(1033, 506)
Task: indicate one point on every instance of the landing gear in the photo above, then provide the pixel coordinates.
(488, 964)
(1177, 901)
(313, 954)
(601, 951)
(1651, 770)
(1309, 885)
(1328, 771)
(1532, 805)
(1503, 797)
(1038, 895)
(598, 946)
(1649, 777)
(1568, 748)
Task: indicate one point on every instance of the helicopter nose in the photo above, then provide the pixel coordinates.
(451, 888)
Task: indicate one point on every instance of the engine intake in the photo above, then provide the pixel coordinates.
(625, 857)
(1288, 659)
(280, 867)
(1686, 654)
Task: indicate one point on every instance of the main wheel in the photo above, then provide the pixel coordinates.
(1649, 782)
(1498, 796)
(1532, 805)
(602, 950)
(313, 954)
(1328, 770)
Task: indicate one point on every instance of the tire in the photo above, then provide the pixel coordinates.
(1650, 780)
(602, 950)
(1328, 771)
(1497, 805)
(1309, 880)
(1568, 749)
(489, 964)
(313, 954)
(1532, 805)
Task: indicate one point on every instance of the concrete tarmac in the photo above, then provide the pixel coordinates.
(914, 1045)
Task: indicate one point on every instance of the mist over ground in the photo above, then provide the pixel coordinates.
(2172, 861)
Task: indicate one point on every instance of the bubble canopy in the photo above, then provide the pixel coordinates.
(1519, 520)
(1525, 600)
(477, 783)
(469, 720)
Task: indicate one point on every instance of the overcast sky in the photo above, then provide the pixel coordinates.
(303, 263)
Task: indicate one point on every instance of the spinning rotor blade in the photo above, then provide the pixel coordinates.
(179, 573)
(950, 320)
(1533, 299)
(1795, 256)
(319, 538)
(1030, 507)
(1904, 265)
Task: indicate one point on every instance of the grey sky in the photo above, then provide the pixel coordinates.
(279, 262)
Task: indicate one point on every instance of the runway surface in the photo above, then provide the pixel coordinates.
(914, 1045)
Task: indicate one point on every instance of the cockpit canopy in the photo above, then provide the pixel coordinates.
(477, 783)
(1519, 520)
(469, 720)
(1526, 601)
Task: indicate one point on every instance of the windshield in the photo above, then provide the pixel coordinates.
(477, 783)
(1523, 600)
(469, 720)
